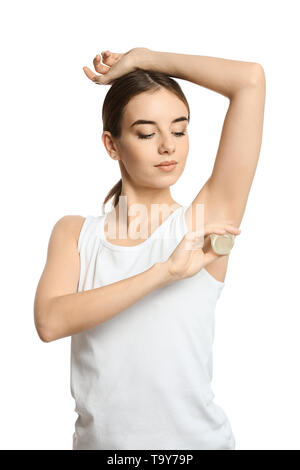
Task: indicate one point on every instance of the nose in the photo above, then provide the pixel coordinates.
(168, 145)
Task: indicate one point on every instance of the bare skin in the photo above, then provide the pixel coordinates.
(225, 193)
(142, 182)
(59, 309)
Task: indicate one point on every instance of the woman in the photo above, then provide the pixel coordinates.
(141, 313)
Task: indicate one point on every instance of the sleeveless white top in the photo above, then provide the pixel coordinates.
(142, 379)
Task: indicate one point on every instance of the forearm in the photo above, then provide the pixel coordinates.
(72, 313)
(221, 75)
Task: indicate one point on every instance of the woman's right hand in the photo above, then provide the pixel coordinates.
(188, 258)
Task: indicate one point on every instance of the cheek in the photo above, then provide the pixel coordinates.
(136, 158)
(138, 153)
(130, 151)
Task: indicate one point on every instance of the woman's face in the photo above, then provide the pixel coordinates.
(144, 145)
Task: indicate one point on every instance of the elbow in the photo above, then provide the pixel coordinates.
(257, 76)
(41, 328)
(45, 339)
(49, 326)
(41, 321)
(43, 334)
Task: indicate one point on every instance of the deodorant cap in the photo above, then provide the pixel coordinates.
(222, 244)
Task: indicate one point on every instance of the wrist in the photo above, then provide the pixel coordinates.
(143, 58)
(157, 61)
(162, 274)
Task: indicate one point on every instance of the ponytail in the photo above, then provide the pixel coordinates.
(114, 192)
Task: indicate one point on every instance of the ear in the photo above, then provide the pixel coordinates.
(109, 145)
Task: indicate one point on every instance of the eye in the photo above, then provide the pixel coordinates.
(179, 134)
(144, 136)
(147, 136)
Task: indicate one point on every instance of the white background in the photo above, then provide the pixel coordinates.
(53, 163)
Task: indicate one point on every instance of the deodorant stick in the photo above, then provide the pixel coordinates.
(222, 244)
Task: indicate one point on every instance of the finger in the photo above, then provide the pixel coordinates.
(109, 58)
(208, 229)
(217, 229)
(100, 68)
(232, 228)
(196, 238)
(112, 74)
(228, 224)
(92, 76)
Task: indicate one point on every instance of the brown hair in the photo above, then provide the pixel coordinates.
(120, 93)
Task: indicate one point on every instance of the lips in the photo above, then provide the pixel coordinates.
(166, 168)
(167, 163)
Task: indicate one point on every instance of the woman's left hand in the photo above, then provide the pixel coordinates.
(114, 65)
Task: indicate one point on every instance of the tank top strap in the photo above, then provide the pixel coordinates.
(178, 225)
(89, 229)
(173, 226)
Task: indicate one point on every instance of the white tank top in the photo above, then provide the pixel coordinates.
(142, 379)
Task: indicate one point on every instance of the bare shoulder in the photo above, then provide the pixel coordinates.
(62, 268)
(72, 224)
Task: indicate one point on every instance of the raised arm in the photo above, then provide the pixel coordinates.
(225, 194)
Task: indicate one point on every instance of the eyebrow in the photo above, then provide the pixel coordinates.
(144, 121)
